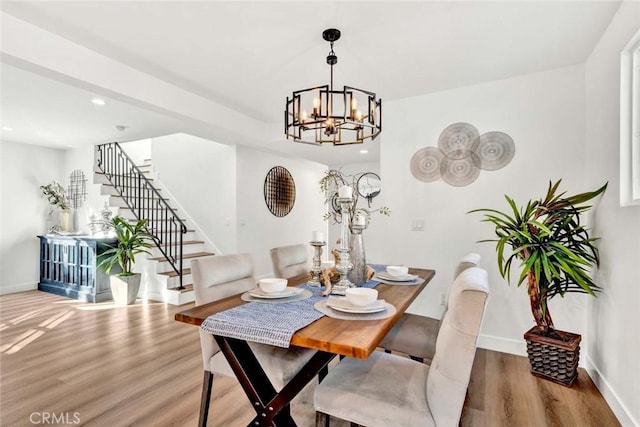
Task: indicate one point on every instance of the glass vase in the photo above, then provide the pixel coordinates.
(66, 220)
(356, 252)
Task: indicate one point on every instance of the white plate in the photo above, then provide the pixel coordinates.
(407, 278)
(288, 292)
(345, 306)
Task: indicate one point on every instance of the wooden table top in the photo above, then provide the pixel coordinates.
(353, 338)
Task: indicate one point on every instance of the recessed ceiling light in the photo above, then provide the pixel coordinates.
(98, 101)
(364, 151)
(7, 128)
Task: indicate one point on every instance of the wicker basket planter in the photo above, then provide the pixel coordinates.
(554, 358)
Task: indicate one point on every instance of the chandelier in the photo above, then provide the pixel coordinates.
(323, 114)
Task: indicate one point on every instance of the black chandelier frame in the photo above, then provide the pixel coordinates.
(334, 111)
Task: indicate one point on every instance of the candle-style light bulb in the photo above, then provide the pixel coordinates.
(330, 127)
(354, 108)
(303, 116)
(316, 107)
(358, 116)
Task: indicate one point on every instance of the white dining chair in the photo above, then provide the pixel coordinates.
(415, 335)
(290, 261)
(220, 276)
(388, 390)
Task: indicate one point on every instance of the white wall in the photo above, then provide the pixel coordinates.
(200, 176)
(83, 158)
(138, 151)
(24, 211)
(544, 114)
(258, 229)
(613, 341)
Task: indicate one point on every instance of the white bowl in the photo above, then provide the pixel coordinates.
(361, 296)
(397, 270)
(273, 285)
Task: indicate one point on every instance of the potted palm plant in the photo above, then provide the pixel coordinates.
(556, 253)
(132, 239)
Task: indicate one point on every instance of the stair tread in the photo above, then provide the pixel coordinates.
(120, 174)
(132, 219)
(146, 208)
(187, 288)
(192, 242)
(173, 273)
(186, 256)
(120, 197)
(111, 185)
(188, 231)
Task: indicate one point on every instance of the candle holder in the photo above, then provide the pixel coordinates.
(344, 266)
(316, 267)
(357, 254)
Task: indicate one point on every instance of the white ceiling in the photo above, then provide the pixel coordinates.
(249, 56)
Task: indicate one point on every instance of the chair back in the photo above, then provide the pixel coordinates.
(467, 261)
(456, 346)
(290, 261)
(220, 276)
(470, 260)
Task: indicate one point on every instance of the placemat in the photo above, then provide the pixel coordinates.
(299, 297)
(419, 280)
(322, 307)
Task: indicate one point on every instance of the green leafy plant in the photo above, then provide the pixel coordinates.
(555, 250)
(55, 194)
(133, 239)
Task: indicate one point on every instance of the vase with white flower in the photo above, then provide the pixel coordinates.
(60, 217)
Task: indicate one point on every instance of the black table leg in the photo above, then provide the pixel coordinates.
(272, 408)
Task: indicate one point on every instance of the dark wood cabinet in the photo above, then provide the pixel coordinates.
(68, 267)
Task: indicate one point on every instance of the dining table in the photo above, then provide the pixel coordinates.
(329, 336)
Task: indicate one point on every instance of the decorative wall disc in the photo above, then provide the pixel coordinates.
(458, 136)
(460, 155)
(425, 164)
(279, 191)
(459, 172)
(495, 150)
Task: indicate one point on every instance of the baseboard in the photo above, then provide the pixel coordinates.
(21, 287)
(503, 345)
(618, 408)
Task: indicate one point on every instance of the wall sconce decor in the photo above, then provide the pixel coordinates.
(279, 191)
(77, 189)
(460, 155)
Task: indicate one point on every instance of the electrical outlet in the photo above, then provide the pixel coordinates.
(443, 298)
(417, 225)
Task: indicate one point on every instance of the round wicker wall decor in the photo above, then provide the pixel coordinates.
(279, 191)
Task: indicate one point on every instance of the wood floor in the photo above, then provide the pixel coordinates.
(101, 365)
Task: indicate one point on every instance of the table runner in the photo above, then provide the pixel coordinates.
(272, 324)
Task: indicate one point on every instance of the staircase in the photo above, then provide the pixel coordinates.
(133, 190)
